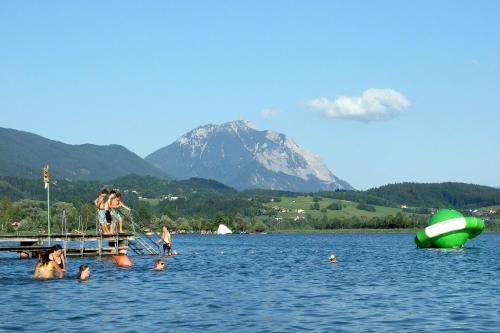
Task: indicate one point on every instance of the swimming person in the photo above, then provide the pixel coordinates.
(100, 203)
(333, 258)
(45, 268)
(117, 203)
(159, 265)
(83, 273)
(57, 257)
(167, 241)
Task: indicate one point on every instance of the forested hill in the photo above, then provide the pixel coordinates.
(132, 186)
(433, 195)
(24, 154)
(439, 195)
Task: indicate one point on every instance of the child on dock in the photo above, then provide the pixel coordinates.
(115, 204)
(100, 203)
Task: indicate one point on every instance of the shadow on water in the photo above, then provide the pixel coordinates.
(458, 249)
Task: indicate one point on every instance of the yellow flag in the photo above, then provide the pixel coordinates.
(46, 175)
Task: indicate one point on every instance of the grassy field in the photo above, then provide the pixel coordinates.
(348, 208)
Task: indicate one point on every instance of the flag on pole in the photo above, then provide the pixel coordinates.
(46, 176)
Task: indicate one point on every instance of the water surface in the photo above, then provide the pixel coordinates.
(267, 283)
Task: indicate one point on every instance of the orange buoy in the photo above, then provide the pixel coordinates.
(123, 261)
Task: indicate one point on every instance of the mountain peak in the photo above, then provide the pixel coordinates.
(236, 125)
(237, 154)
(202, 132)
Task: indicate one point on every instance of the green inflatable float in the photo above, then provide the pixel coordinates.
(449, 229)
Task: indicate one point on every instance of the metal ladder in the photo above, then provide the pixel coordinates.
(142, 244)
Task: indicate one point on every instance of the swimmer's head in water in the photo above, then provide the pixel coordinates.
(159, 265)
(44, 258)
(57, 248)
(83, 273)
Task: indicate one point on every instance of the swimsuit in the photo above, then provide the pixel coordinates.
(116, 215)
(45, 271)
(101, 216)
(166, 247)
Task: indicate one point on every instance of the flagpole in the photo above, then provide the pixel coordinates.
(47, 187)
(48, 208)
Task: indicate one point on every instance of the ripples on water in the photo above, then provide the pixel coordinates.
(267, 283)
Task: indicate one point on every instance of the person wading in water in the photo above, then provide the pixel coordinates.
(167, 241)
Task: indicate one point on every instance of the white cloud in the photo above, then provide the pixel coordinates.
(373, 104)
(269, 113)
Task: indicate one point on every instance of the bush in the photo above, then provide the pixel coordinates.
(315, 206)
(366, 207)
(334, 206)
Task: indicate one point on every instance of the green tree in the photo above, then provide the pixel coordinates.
(88, 214)
(366, 207)
(58, 211)
(169, 213)
(259, 227)
(334, 206)
(315, 206)
(183, 224)
(7, 213)
(158, 222)
(220, 218)
(145, 214)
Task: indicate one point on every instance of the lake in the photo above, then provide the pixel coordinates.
(267, 283)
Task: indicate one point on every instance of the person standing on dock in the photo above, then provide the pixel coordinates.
(167, 241)
(115, 204)
(109, 207)
(100, 203)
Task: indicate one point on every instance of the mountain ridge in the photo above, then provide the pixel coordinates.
(25, 154)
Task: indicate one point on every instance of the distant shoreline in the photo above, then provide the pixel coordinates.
(361, 231)
(296, 231)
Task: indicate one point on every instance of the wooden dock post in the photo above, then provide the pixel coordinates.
(90, 245)
(122, 245)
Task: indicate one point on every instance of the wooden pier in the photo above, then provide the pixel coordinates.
(73, 244)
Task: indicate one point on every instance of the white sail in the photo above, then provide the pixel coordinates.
(223, 229)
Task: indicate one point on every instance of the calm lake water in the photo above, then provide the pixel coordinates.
(267, 283)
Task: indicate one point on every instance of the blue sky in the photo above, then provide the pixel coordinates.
(420, 80)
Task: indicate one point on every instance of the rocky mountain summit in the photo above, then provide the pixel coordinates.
(239, 155)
